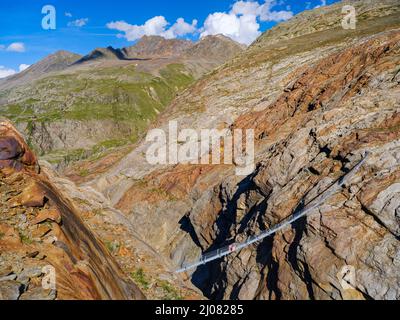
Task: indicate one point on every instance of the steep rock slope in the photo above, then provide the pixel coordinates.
(358, 226)
(153, 272)
(317, 99)
(41, 231)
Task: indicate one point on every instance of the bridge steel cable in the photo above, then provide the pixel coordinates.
(315, 203)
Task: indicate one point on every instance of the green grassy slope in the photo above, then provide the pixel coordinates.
(130, 98)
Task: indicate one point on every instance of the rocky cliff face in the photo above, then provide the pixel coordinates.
(42, 237)
(317, 99)
(313, 133)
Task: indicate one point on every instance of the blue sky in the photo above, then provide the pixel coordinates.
(82, 25)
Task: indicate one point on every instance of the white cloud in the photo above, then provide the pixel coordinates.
(156, 26)
(68, 14)
(78, 23)
(242, 22)
(245, 8)
(23, 67)
(323, 3)
(153, 26)
(5, 72)
(267, 13)
(181, 28)
(243, 29)
(16, 47)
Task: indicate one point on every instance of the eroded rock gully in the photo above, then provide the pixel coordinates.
(40, 229)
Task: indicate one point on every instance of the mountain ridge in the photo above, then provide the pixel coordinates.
(57, 61)
(148, 47)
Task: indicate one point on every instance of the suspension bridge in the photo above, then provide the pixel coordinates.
(313, 204)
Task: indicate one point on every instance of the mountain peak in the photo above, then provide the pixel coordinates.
(156, 46)
(215, 46)
(219, 36)
(56, 61)
(150, 38)
(63, 53)
(108, 53)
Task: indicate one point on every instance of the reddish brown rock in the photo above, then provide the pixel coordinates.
(83, 267)
(9, 148)
(47, 215)
(14, 152)
(31, 196)
(8, 235)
